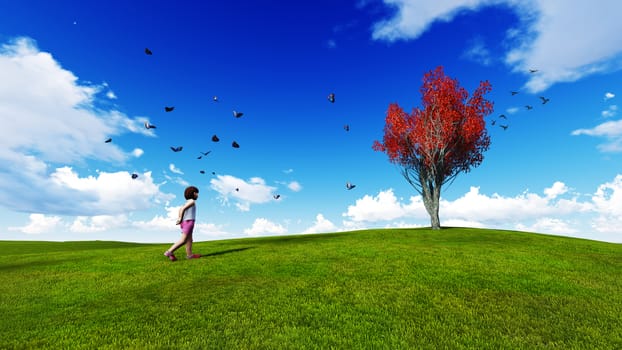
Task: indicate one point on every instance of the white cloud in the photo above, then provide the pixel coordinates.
(611, 111)
(288, 171)
(331, 44)
(174, 169)
(473, 209)
(547, 37)
(264, 226)
(609, 95)
(512, 110)
(110, 94)
(98, 223)
(556, 190)
(137, 152)
(611, 130)
(383, 207)
(478, 52)
(50, 119)
(40, 223)
(244, 193)
(294, 186)
(321, 224)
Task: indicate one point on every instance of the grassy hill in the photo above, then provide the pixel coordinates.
(456, 288)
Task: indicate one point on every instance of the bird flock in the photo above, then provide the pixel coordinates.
(234, 144)
(528, 107)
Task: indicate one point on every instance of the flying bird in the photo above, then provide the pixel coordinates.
(514, 92)
(349, 186)
(504, 127)
(503, 116)
(134, 176)
(238, 114)
(331, 97)
(528, 107)
(215, 138)
(202, 171)
(346, 127)
(544, 99)
(235, 145)
(215, 98)
(277, 196)
(533, 70)
(108, 140)
(493, 122)
(169, 109)
(148, 52)
(237, 190)
(149, 126)
(177, 149)
(206, 153)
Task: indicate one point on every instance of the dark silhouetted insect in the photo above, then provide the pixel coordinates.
(533, 70)
(202, 171)
(493, 122)
(215, 138)
(503, 116)
(213, 173)
(134, 176)
(149, 126)
(504, 127)
(108, 140)
(235, 145)
(169, 109)
(544, 99)
(238, 114)
(277, 196)
(349, 186)
(148, 52)
(331, 97)
(514, 92)
(346, 127)
(528, 107)
(237, 190)
(177, 149)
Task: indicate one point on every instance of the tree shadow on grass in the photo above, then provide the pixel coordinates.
(222, 252)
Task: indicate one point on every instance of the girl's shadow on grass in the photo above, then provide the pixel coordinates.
(226, 252)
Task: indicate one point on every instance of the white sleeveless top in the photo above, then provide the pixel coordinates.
(190, 213)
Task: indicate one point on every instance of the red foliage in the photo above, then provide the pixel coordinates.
(446, 135)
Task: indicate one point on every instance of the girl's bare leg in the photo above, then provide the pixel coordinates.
(189, 245)
(182, 240)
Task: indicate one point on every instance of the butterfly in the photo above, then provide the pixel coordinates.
(134, 176)
(169, 109)
(277, 196)
(148, 52)
(544, 99)
(108, 140)
(331, 97)
(235, 145)
(349, 186)
(346, 127)
(237, 114)
(202, 171)
(149, 126)
(177, 149)
(215, 138)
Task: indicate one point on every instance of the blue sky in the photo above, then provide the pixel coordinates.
(75, 73)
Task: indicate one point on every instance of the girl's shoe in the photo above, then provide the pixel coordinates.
(170, 255)
(193, 256)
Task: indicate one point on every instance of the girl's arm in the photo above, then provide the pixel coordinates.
(183, 209)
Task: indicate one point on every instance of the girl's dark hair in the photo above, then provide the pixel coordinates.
(189, 192)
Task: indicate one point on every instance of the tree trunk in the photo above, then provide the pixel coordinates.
(431, 197)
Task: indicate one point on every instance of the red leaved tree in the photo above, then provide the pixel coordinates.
(445, 137)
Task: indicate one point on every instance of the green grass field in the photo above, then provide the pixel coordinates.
(456, 288)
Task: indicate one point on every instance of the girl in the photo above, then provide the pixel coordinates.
(187, 216)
